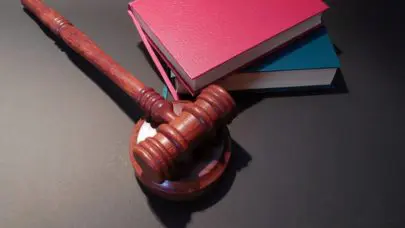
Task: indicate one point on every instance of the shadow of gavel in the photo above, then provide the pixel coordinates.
(179, 134)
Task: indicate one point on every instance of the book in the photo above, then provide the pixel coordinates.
(205, 40)
(306, 62)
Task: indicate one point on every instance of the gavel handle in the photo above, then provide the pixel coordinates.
(156, 108)
(176, 135)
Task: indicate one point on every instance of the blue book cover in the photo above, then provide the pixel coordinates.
(313, 51)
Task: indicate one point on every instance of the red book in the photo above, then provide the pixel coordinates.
(205, 40)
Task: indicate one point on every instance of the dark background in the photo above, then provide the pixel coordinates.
(323, 159)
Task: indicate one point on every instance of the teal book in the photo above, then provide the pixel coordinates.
(309, 61)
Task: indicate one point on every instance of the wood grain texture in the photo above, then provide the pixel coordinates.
(155, 106)
(175, 140)
(178, 135)
(189, 185)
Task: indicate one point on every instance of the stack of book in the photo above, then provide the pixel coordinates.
(254, 45)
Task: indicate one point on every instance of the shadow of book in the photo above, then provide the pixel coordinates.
(337, 49)
(125, 102)
(142, 48)
(178, 214)
(171, 214)
(247, 98)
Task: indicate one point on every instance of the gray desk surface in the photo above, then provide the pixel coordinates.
(306, 160)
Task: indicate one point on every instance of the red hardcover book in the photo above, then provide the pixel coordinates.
(205, 40)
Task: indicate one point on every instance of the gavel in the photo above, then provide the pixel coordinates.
(159, 159)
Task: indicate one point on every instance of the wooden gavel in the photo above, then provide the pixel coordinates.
(177, 134)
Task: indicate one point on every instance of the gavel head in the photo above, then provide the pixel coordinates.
(158, 157)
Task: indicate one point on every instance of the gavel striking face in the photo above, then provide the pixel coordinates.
(178, 135)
